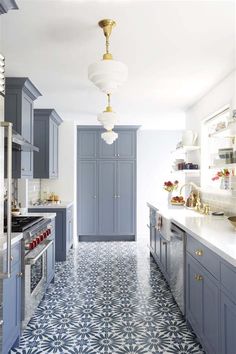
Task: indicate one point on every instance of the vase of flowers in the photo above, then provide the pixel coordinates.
(170, 187)
(224, 177)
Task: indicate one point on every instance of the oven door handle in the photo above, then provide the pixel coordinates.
(32, 260)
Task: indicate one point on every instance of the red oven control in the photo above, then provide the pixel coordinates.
(30, 246)
(45, 234)
(48, 232)
(41, 237)
(37, 240)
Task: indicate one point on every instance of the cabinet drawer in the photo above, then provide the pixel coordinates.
(205, 256)
(228, 279)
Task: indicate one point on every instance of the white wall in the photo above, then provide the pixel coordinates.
(154, 162)
(220, 96)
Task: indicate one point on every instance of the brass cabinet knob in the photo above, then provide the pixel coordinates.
(199, 253)
(12, 258)
(198, 277)
(19, 275)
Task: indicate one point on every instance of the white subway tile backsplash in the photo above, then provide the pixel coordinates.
(34, 190)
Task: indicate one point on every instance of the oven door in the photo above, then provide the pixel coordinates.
(35, 277)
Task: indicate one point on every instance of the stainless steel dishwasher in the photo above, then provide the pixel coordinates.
(177, 265)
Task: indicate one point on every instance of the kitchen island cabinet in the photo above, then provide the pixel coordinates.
(19, 105)
(63, 229)
(159, 246)
(210, 274)
(11, 304)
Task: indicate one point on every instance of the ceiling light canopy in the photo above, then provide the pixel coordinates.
(107, 74)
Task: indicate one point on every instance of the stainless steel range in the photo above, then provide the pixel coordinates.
(37, 239)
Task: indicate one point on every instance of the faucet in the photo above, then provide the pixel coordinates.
(205, 209)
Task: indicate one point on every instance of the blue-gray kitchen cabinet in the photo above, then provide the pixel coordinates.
(46, 128)
(87, 143)
(106, 185)
(125, 197)
(228, 325)
(63, 229)
(123, 148)
(19, 104)
(203, 304)
(88, 198)
(107, 198)
(12, 302)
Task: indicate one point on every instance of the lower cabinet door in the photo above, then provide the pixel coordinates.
(228, 325)
(107, 197)
(152, 238)
(125, 201)
(202, 304)
(158, 244)
(50, 262)
(11, 308)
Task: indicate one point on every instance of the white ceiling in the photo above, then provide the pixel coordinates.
(175, 50)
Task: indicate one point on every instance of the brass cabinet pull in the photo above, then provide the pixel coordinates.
(164, 243)
(12, 258)
(199, 253)
(19, 275)
(198, 277)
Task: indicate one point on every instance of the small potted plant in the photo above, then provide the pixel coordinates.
(224, 177)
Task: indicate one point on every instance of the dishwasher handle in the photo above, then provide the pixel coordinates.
(178, 233)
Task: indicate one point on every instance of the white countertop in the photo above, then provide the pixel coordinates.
(62, 205)
(215, 232)
(46, 215)
(15, 237)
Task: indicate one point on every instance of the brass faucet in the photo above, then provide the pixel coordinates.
(203, 209)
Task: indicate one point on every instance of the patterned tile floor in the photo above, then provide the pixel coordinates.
(108, 298)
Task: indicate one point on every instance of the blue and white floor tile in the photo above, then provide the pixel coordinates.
(108, 298)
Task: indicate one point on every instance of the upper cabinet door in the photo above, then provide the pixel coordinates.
(55, 150)
(106, 150)
(27, 132)
(46, 130)
(20, 95)
(87, 144)
(126, 145)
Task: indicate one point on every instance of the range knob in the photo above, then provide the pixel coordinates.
(45, 234)
(37, 240)
(41, 237)
(49, 231)
(29, 246)
(34, 243)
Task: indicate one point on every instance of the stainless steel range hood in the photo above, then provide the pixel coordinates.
(19, 143)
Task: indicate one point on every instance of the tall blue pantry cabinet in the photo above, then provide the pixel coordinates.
(106, 185)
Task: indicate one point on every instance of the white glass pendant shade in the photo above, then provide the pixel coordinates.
(108, 75)
(108, 119)
(109, 137)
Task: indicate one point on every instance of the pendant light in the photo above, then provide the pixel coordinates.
(108, 118)
(107, 74)
(109, 137)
